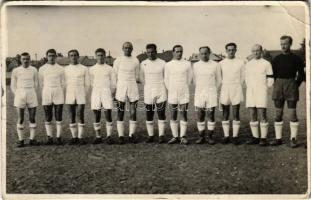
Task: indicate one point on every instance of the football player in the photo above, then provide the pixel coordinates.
(52, 83)
(207, 79)
(288, 71)
(126, 69)
(152, 76)
(24, 83)
(178, 77)
(103, 83)
(258, 78)
(232, 70)
(77, 85)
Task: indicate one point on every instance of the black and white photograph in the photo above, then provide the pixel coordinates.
(149, 100)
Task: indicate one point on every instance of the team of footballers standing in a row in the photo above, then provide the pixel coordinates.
(162, 82)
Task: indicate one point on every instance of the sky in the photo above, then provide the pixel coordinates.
(37, 28)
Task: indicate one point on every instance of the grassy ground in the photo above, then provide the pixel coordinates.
(152, 168)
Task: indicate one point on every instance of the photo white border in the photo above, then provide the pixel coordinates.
(136, 3)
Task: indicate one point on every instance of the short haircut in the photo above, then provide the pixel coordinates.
(231, 44)
(151, 46)
(284, 37)
(205, 47)
(73, 50)
(25, 54)
(51, 51)
(130, 43)
(100, 50)
(177, 46)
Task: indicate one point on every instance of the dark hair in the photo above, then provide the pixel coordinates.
(177, 46)
(100, 50)
(284, 37)
(231, 44)
(25, 54)
(130, 43)
(205, 47)
(50, 51)
(73, 50)
(151, 46)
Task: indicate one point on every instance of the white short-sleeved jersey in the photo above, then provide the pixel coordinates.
(24, 82)
(177, 77)
(207, 77)
(103, 82)
(126, 70)
(256, 72)
(77, 83)
(233, 75)
(152, 72)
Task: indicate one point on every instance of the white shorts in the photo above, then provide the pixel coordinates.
(127, 90)
(205, 98)
(257, 97)
(178, 95)
(101, 98)
(154, 94)
(25, 97)
(231, 94)
(75, 95)
(52, 95)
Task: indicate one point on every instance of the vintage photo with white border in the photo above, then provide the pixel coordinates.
(155, 100)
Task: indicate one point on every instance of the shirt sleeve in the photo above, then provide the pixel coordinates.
(116, 68)
(166, 75)
(87, 79)
(137, 71)
(218, 75)
(65, 76)
(36, 81)
(194, 74)
(40, 77)
(269, 74)
(142, 74)
(190, 74)
(301, 73)
(63, 79)
(13, 81)
(274, 67)
(242, 73)
(113, 81)
(91, 75)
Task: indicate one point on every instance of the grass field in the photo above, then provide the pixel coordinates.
(153, 168)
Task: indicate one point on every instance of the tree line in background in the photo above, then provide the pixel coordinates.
(12, 62)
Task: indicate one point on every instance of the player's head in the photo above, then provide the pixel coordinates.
(51, 56)
(25, 59)
(205, 52)
(177, 52)
(127, 48)
(100, 55)
(73, 56)
(257, 51)
(286, 43)
(151, 50)
(231, 49)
